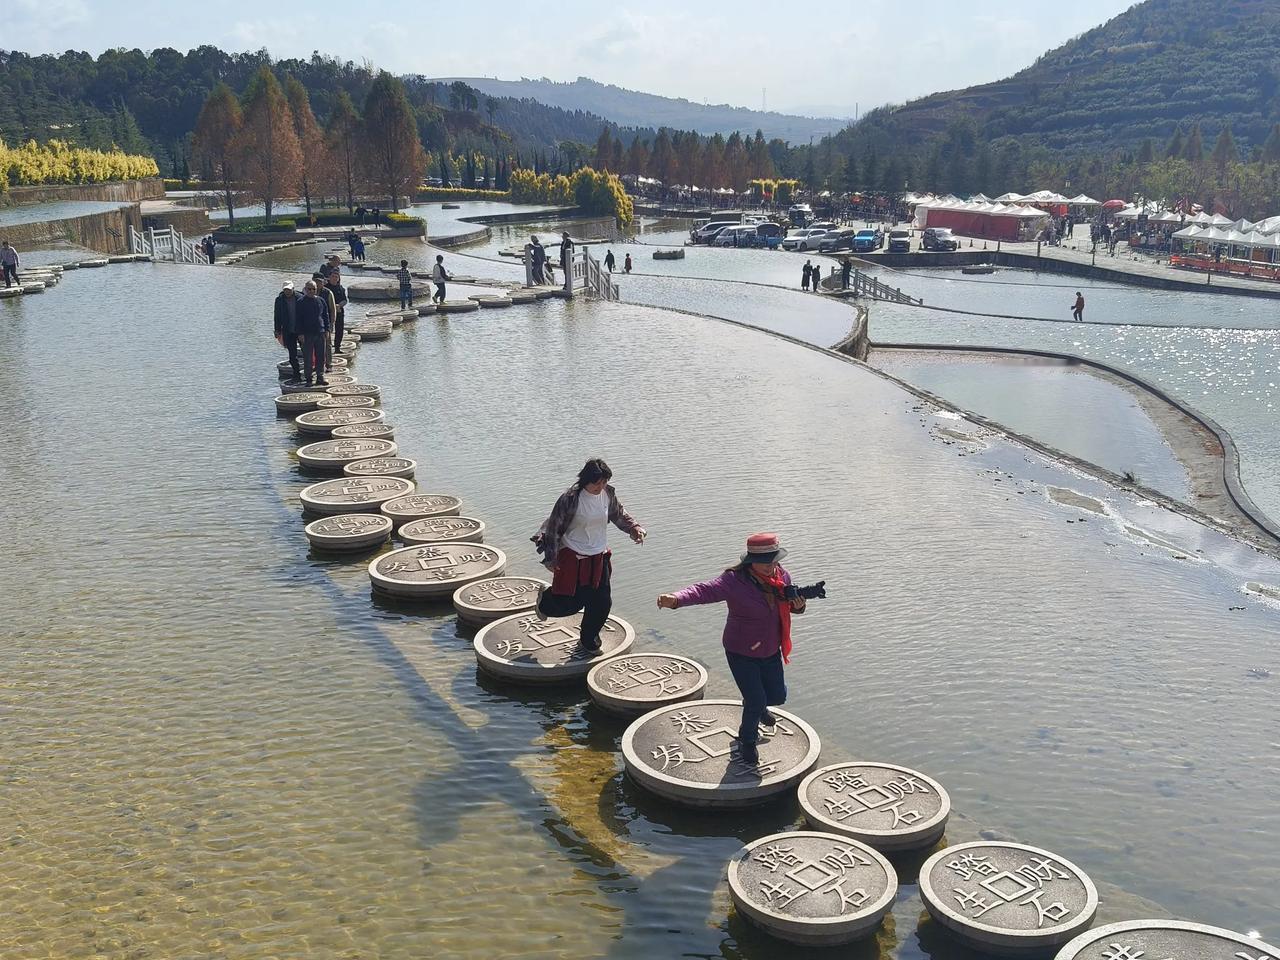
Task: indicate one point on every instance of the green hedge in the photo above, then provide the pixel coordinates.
(458, 193)
(257, 226)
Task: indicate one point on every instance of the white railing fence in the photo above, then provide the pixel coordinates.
(585, 273)
(167, 243)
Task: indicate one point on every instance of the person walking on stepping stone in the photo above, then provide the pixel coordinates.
(329, 307)
(286, 324)
(574, 546)
(439, 274)
(311, 323)
(757, 632)
(339, 294)
(406, 285)
(9, 262)
(539, 255)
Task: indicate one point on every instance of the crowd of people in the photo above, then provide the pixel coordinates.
(310, 326)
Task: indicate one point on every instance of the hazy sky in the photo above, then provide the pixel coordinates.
(817, 57)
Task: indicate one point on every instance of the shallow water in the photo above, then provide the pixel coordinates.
(217, 744)
(1074, 409)
(1230, 375)
(55, 210)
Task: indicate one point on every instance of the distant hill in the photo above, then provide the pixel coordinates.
(630, 108)
(1158, 64)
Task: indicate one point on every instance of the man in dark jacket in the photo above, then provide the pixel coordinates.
(311, 323)
(566, 252)
(340, 302)
(286, 324)
(539, 255)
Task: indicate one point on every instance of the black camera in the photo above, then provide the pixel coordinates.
(816, 591)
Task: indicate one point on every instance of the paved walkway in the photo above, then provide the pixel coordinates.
(1076, 249)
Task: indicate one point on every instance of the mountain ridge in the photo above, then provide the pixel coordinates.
(636, 108)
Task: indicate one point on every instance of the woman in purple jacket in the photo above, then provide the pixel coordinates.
(757, 633)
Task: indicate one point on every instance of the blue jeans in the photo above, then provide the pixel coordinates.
(406, 299)
(762, 684)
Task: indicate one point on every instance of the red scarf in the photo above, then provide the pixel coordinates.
(778, 595)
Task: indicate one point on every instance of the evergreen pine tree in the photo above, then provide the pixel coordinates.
(1177, 144)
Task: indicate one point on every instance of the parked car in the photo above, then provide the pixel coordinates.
(899, 241)
(803, 240)
(770, 234)
(939, 238)
(738, 235)
(840, 239)
(867, 240)
(800, 214)
(708, 231)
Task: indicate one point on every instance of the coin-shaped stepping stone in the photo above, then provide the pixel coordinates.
(442, 530)
(382, 467)
(426, 309)
(420, 505)
(334, 454)
(688, 753)
(1165, 940)
(408, 315)
(373, 332)
(349, 337)
(434, 571)
(338, 363)
(885, 806)
(299, 386)
(353, 494)
(490, 301)
(812, 888)
(1007, 898)
(523, 296)
(495, 597)
(641, 682)
(291, 404)
(322, 422)
(355, 390)
(457, 306)
(346, 403)
(374, 431)
(526, 648)
(285, 369)
(338, 380)
(349, 532)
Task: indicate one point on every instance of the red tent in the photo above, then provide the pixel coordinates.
(1114, 205)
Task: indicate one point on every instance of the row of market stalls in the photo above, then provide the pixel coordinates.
(1228, 246)
(1011, 217)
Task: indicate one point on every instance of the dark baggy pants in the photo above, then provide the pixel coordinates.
(594, 602)
(291, 344)
(10, 275)
(337, 332)
(313, 347)
(439, 297)
(762, 684)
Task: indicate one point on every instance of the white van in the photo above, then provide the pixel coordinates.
(708, 231)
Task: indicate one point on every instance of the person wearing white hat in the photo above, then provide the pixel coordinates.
(286, 324)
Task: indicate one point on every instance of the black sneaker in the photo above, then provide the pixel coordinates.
(591, 645)
(768, 720)
(322, 383)
(747, 754)
(309, 383)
